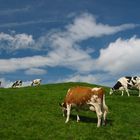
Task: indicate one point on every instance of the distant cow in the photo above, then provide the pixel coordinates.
(36, 82)
(79, 97)
(125, 83)
(17, 83)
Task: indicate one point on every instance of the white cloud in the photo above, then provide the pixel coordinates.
(26, 83)
(13, 11)
(16, 41)
(5, 83)
(66, 51)
(99, 79)
(82, 28)
(80, 78)
(13, 64)
(64, 48)
(85, 27)
(35, 71)
(30, 22)
(121, 56)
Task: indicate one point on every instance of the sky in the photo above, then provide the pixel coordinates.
(93, 41)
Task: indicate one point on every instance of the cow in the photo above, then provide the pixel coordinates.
(126, 83)
(36, 82)
(91, 98)
(17, 83)
(0, 83)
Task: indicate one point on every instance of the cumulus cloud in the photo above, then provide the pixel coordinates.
(5, 83)
(13, 64)
(81, 78)
(66, 50)
(85, 26)
(120, 56)
(12, 42)
(64, 46)
(100, 79)
(26, 83)
(35, 71)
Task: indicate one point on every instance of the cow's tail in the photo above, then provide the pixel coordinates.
(104, 104)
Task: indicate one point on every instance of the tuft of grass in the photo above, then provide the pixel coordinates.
(33, 113)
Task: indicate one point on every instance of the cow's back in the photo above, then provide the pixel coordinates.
(80, 95)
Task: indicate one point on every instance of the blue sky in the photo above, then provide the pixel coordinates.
(94, 41)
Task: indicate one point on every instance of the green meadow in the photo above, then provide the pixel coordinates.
(33, 113)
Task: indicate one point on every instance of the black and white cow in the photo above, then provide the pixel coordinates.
(36, 82)
(17, 83)
(125, 83)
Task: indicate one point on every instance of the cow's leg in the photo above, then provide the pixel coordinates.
(68, 113)
(99, 113)
(78, 118)
(127, 92)
(122, 92)
(104, 116)
(139, 92)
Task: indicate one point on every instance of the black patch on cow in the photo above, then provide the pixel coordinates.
(133, 82)
(117, 85)
(17, 83)
(128, 78)
(129, 86)
(135, 77)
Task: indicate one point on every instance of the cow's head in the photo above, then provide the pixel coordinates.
(64, 109)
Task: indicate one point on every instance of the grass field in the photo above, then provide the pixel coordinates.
(33, 113)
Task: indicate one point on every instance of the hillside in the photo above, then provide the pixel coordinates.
(33, 113)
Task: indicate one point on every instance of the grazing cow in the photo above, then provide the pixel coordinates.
(79, 97)
(17, 83)
(36, 82)
(125, 83)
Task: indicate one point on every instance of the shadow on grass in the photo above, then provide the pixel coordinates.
(90, 120)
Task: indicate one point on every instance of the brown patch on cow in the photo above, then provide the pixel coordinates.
(80, 95)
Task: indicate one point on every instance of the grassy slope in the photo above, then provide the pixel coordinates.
(32, 113)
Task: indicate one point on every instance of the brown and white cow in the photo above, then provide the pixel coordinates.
(36, 82)
(93, 98)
